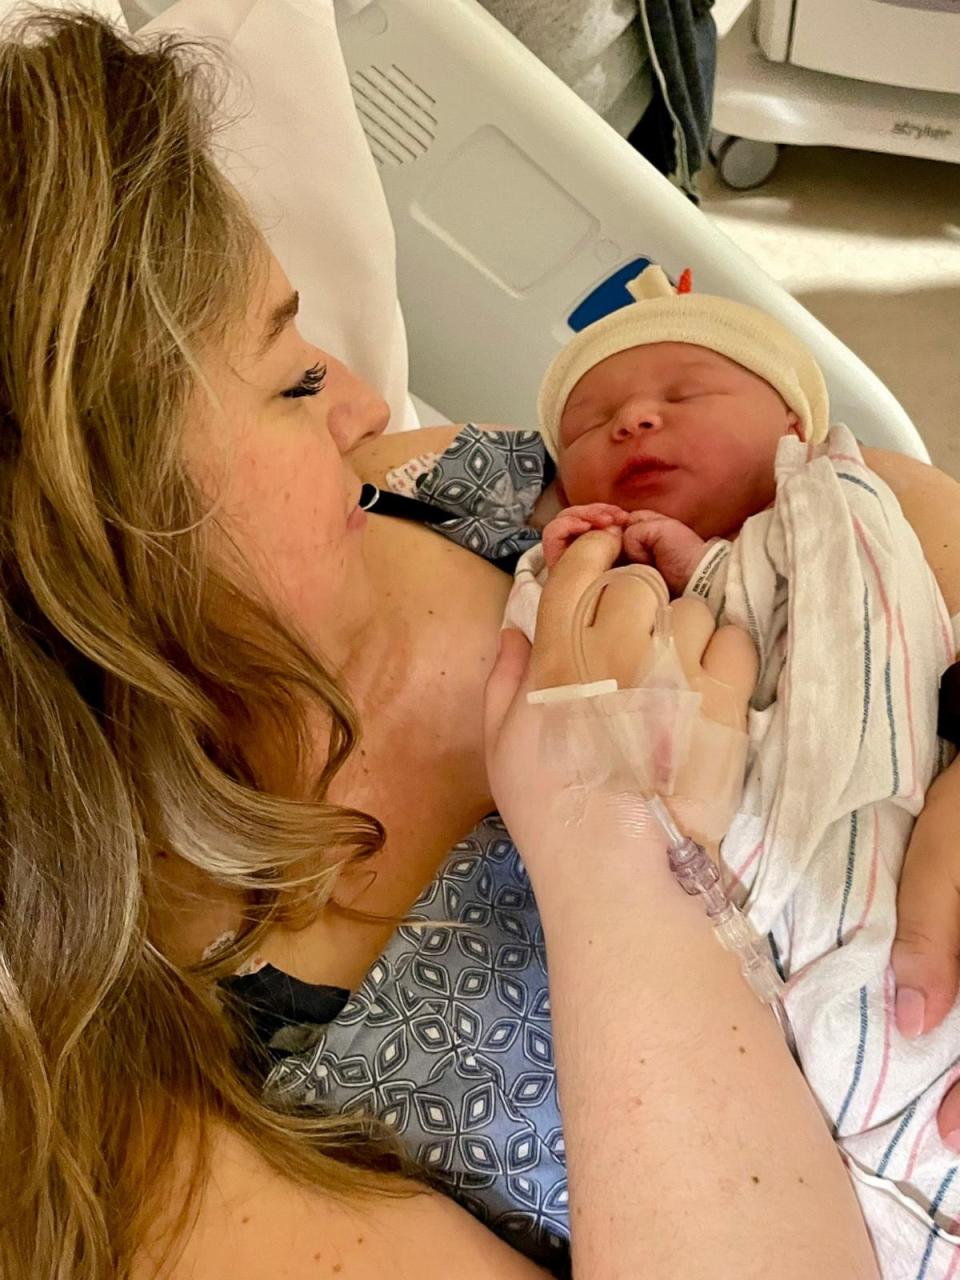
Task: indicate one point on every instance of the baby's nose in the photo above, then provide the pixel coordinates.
(636, 417)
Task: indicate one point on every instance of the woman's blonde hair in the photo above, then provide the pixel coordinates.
(124, 707)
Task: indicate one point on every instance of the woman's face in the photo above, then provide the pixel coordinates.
(273, 459)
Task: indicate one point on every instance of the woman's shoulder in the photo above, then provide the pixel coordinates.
(930, 500)
(253, 1223)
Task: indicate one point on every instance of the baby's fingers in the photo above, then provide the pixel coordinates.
(635, 546)
(601, 515)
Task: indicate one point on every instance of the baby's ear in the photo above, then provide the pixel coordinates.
(793, 425)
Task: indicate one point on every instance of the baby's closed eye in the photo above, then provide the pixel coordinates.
(692, 393)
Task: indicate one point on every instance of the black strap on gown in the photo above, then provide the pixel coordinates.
(384, 503)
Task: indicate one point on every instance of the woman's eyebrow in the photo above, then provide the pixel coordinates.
(278, 320)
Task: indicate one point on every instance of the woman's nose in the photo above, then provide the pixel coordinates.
(636, 417)
(358, 414)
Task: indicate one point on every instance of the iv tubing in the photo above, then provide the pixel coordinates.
(692, 866)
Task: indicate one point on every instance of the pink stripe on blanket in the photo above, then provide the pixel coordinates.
(951, 1271)
(916, 792)
(949, 1080)
(889, 987)
(745, 866)
(915, 1149)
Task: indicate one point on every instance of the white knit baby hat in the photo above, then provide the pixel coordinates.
(661, 313)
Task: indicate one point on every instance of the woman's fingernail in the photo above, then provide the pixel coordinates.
(952, 1140)
(910, 1010)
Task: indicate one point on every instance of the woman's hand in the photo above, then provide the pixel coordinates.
(670, 546)
(531, 781)
(572, 522)
(927, 946)
(525, 784)
(925, 953)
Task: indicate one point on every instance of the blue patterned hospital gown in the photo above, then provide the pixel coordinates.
(448, 1038)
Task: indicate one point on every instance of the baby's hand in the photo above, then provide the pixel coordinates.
(573, 521)
(667, 544)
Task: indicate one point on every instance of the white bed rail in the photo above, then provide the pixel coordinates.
(513, 201)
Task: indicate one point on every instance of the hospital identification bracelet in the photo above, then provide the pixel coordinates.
(709, 579)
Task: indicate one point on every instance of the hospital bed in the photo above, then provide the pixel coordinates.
(877, 77)
(514, 204)
(519, 215)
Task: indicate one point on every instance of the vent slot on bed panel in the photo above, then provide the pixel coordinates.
(397, 114)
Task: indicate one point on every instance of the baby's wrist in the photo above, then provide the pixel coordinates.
(708, 580)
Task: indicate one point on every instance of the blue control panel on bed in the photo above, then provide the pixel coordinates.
(610, 295)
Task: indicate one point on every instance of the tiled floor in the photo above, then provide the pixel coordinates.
(871, 244)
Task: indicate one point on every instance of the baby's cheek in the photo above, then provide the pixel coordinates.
(585, 479)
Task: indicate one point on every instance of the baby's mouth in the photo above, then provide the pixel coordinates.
(642, 467)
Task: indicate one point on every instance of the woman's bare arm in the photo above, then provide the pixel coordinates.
(926, 952)
(694, 1145)
(930, 501)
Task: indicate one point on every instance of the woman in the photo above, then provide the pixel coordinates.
(184, 569)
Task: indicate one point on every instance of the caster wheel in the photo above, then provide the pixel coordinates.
(742, 163)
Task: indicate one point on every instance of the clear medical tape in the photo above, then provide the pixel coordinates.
(665, 749)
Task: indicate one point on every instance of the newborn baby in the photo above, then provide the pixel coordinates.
(665, 418)
(673, 442)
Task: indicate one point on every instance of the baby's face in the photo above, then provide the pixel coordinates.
(674, 428)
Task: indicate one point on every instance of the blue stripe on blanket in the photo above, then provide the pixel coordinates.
(848, 880)
(888, 688)
(858, 1063)
(902, 1127)
(934, 1230)
(844, 475)
(867, 662)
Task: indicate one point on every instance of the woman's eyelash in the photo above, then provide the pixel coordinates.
(310, 384)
